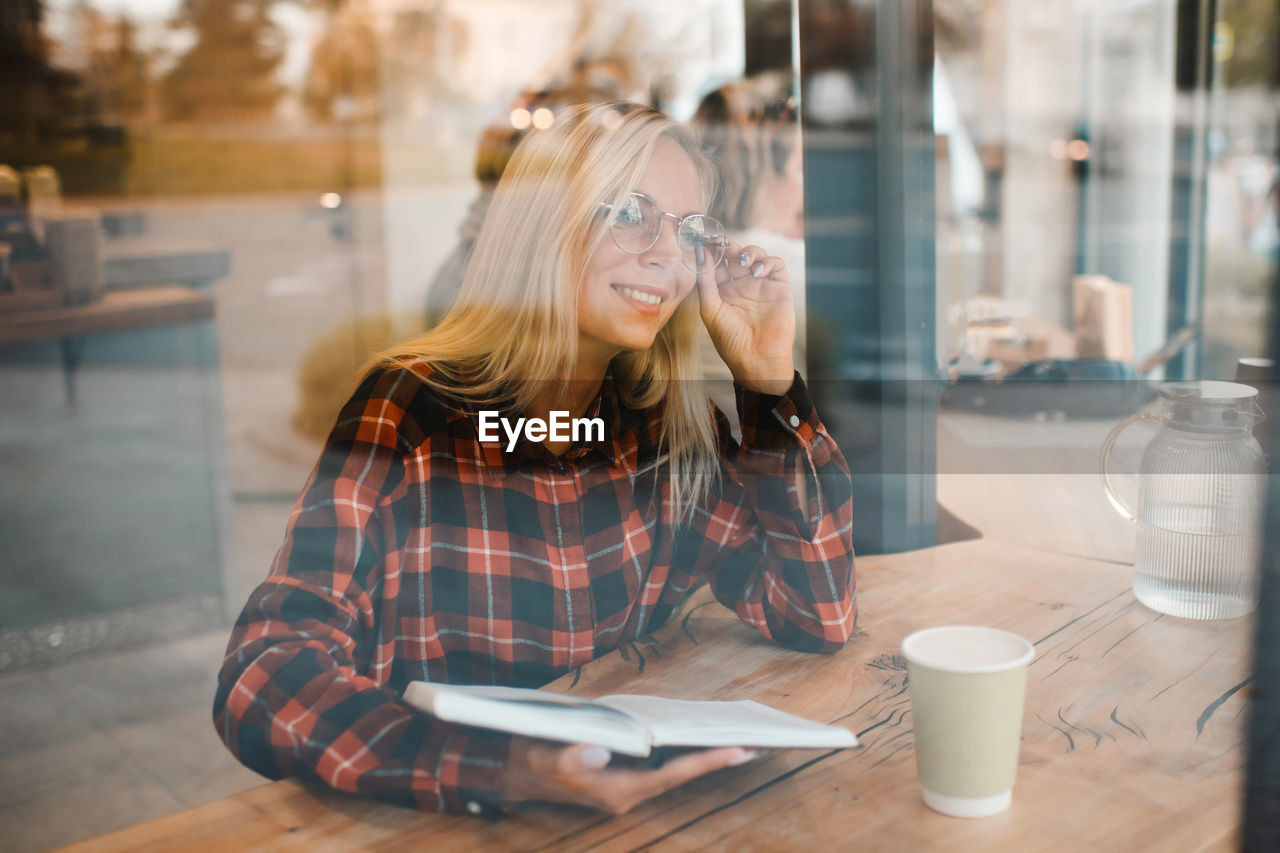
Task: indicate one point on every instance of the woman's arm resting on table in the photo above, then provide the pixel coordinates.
(777, 542)
(290, 703)
(296, 694)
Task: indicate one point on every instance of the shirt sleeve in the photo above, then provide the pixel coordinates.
(298, 692)
(785, 568)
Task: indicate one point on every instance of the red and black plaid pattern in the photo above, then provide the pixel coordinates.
(415, 552)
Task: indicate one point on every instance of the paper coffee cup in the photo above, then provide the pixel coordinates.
(968, 687)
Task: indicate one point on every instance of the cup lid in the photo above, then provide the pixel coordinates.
(967, 649)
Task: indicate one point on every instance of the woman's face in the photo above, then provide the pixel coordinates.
(611, 319)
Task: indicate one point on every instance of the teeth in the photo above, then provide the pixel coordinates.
(646, 298)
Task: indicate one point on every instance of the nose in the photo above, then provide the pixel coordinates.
(665, 251)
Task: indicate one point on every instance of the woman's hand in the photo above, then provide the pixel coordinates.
(537, 770)
(747, 307)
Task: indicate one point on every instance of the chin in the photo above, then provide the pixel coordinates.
(633, 340)
(630, 346)
(618, 345)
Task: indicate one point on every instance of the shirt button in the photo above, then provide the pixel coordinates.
(474, 808)
(795, 421)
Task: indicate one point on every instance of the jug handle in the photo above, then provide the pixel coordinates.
(1104, 460)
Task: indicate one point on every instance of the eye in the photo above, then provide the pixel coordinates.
(693, 234)
(630, 214)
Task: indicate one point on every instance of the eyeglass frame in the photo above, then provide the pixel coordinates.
(680, 220)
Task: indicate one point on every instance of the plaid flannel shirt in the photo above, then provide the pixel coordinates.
(417, 552)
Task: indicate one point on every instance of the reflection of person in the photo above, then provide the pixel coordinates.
(416, 551)
(1256, 180)
(1273, 204)
(497, 142)
(751, 132)
(750, 128)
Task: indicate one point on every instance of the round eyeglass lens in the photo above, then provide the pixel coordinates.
(702, 242)
(636, 226)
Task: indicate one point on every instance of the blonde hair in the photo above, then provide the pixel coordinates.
(514, 327)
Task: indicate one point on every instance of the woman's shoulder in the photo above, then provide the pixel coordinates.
(410, 394)
(394, 380)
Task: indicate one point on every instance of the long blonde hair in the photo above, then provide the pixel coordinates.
(514, 326)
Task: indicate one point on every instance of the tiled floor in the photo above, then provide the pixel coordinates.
(105, 742)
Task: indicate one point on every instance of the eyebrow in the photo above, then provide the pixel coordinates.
(694, 212)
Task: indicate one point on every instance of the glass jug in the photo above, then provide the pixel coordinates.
(1200, 501)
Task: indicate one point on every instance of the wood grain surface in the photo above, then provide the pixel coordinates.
(1066, 513)
(1131, 740)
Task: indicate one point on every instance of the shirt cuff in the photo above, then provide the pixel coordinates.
(470, 774)
(778, 422)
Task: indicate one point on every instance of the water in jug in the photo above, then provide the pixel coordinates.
(1201, 488)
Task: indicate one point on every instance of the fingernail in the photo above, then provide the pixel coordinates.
(594, 757)
(744, 259)
(758, 271)
(747, 755)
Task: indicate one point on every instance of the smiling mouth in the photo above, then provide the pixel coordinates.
(639, 295)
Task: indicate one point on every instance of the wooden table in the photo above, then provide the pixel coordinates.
(146, 285)
(1132, 736)
(116, 311)
(1036, 483)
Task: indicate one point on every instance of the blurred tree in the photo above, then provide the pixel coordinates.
(342, 82)
(29, 88)
(1255, 60)
(424, 47)
(229, 73)
(116, 73)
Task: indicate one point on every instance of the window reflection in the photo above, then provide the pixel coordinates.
(267, 191)
(1103, 225)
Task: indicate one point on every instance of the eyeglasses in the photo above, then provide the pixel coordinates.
(638, 224)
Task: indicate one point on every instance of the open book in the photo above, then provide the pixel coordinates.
(630, 725)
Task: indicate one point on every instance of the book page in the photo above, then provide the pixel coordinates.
(533, 713)
(522, 694)
(679, 722)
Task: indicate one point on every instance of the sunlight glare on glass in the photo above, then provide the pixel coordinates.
(520, 118)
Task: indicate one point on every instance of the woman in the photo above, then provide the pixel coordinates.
(416, 551)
